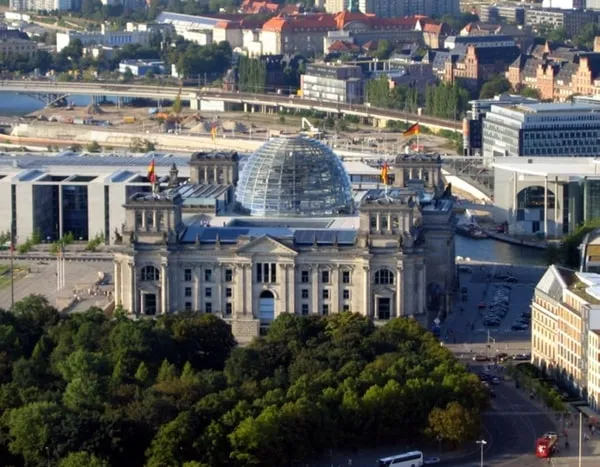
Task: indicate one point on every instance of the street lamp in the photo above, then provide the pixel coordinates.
(482, 443)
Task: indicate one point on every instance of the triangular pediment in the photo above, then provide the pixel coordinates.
(266, 245)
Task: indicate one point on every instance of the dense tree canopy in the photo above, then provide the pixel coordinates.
(89, 390)
(496, 85)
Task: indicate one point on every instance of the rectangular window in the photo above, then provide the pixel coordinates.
(208, 292)
(266, 273)
(325, 310)
(346, 308)
(228, 275)
(228, 292)
(346, 277)
(305, 293)
(325, 294)
(188, 306)
(305, 309)
(208, 307)
(208, 275)
(325, 277)
(187, 275)
(346, 294)
(304, 277)
(258, 272)
(188, 291)
(228, 308)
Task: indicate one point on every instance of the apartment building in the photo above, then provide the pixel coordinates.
(41, 5)
(571, 20)
(13, 41)
(565, 326)
(403, 8)
(542, 129)
(333, 82)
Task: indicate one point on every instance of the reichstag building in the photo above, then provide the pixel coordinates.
(297, 238)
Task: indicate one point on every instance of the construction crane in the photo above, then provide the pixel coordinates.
(309, 129)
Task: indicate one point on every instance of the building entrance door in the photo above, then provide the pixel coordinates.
(384, 308)
(266, 306)
(150, 304)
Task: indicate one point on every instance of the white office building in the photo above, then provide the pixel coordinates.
(104, 37)
(549, 196)
(550, 130)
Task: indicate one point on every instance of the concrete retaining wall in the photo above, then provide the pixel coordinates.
(465, 186)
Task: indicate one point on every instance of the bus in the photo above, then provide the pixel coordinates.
(408, 459)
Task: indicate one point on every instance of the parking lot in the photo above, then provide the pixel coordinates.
(492, 306)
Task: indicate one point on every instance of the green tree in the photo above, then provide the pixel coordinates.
(93, 147)
(79, 459)
(530, 92)
(498, 84)
(128, 75)
(384, 49)
(31, 430)
(454, 424)
(585, 39)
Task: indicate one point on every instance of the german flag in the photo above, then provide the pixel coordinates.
(412, 130)
(384, 173)
(152, 171)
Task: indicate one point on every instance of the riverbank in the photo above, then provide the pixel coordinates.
(529, 243)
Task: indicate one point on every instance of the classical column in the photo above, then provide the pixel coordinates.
(292, 289)
(117, 282)
(205, 174)
(248, 292)
(142, 302)
(132, 289)
(389, 219)
(143, 219)
(409, 298)
(286, 289)
(315, 290)
(556, 218)
(399, 291)
(420, 173)
(218, 303)
(420, 289)
(378, 222)
(335, 290)
(546, 206)
(367, 291)
(164, 289)
(155, 220)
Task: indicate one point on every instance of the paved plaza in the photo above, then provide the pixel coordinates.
(39, 277)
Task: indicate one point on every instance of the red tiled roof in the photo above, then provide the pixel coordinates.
(370, 45)
(338, 21)
(435, 28)
(311, 22)
(341, 46)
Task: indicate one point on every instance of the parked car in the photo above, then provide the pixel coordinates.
(481, 358)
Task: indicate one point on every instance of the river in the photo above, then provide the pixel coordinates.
(13, 104)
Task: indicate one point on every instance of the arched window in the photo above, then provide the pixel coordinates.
(150, 273)
(384, 277)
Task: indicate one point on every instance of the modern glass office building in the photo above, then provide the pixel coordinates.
(294, 176)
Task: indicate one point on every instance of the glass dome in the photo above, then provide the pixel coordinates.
(294, 176)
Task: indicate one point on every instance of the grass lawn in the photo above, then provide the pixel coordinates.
(20, 271)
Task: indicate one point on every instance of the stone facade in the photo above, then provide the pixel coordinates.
(398, 262)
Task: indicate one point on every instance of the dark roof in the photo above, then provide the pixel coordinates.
(489, 55)
(214, 155)
(12, 34)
